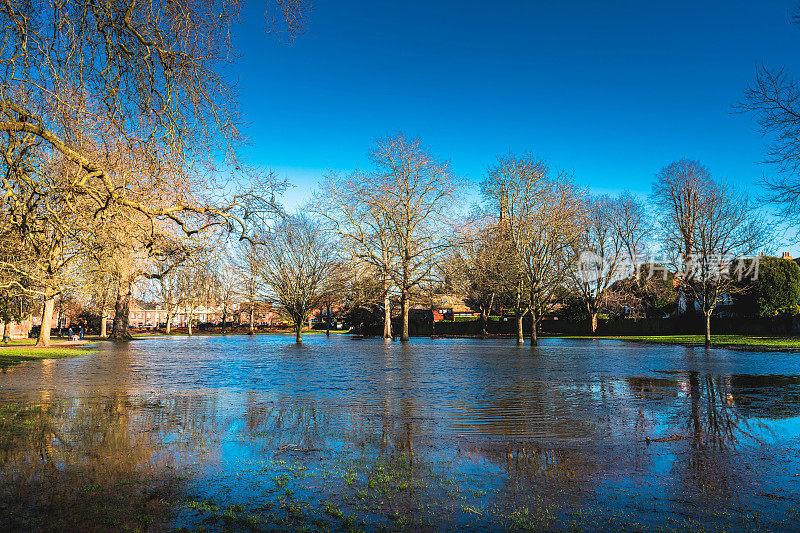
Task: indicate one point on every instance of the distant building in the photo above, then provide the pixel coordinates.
(145, 315)
(449, 307)
(17, 330)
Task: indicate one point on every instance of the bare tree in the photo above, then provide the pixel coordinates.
(197, 284)
(727, 229)
(15, 295)
(419, 192)
(539, 216)
(294, 264)
(226, 280)
(356, 206)
(475, 267)
(169, 288)
(634, 227)
(334, 289)
(78, 80)
(397, 216)
(250, 289)
(98, 283)
(99, 103)
(610, 247)
(773, 99)
(677, 194)
(137, 256)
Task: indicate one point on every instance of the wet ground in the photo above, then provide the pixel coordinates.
(240, 433)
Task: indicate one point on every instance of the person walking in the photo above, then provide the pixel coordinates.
(80, 331)
(69, 332)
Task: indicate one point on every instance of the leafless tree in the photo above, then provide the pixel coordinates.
(102, 103)
(610, 247)
(226, 280)
(251, 290)
(600, 255)
(15, 283)
(773, 99)
(294, 264)
(539, 216)
(634, 226)
(196, 279)
(419, 192)
(356, 207)
(334, 288)
(476, 265)
(397, 217)
(169, 288)
(677, 194)
(79, 80)
(136, 256)
(728, 228)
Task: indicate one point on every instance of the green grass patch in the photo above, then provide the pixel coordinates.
(13, 356)
(728, 340)
(20, 342)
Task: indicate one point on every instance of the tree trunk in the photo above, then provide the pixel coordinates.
(224, 317)
(60, 315)
(103, 305)
(484, 316)
(119, 330)
(328, 320)
(520, 336)
(252, 319)
(404, 337)
(189, 323)
(387, 318)
(298, 331)
(47, 318)
(708, 329)
(534, 333)
(593, 315)
(169, 322)
(6, 332)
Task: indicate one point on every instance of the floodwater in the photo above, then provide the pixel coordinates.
(256, 433)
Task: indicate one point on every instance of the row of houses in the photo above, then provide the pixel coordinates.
(145, 315)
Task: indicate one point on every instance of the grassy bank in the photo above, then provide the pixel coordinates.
(13, 355)
(720, 340)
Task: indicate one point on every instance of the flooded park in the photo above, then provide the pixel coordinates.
(257, 433)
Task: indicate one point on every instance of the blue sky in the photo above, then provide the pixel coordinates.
(612, 91)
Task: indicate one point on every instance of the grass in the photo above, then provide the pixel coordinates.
(12, 356)
(20, 342)
(727, 340)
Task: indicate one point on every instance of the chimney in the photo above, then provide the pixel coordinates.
(786, 255)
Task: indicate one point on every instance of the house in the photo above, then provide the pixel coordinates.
(263, 315)
(17, 330)
(450, 307)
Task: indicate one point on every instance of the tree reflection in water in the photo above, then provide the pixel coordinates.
(100, 460)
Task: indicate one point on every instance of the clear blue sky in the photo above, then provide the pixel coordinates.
(610, 90)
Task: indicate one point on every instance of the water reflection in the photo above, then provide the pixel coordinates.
(255, 433)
